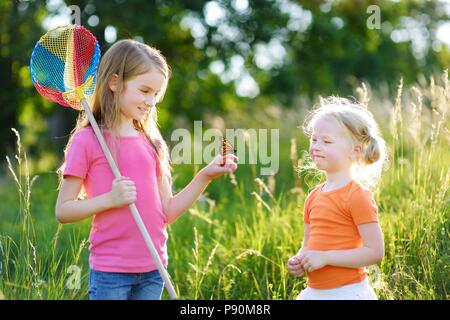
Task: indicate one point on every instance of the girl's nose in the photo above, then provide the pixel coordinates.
(315, 147)
(150, 102)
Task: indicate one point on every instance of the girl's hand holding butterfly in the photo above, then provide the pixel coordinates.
(174, 206)
(219, 166)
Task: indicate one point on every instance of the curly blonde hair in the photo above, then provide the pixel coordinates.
(361, 127)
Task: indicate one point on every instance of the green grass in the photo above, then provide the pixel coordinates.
(235, 241)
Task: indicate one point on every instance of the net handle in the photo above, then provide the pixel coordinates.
(137, 218)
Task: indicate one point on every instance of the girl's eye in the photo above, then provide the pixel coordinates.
(328, 142)
(147, 92)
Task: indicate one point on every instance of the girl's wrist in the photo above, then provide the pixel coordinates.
(203, 177)
(108, 201)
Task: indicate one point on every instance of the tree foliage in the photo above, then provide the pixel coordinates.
(276, 49)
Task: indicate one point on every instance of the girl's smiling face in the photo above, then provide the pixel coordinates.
(330, 147)
(140, 94)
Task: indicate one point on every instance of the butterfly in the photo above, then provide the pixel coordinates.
(226, 148)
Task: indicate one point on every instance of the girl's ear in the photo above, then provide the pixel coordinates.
(357, 152)
(113, 82)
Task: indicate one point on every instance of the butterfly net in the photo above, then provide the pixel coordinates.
(64, 64)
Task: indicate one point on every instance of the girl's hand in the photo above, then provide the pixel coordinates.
(123, 192)
(295, 267)
(312, 259)
(214, 169)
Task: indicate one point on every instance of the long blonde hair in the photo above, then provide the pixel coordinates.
(126, 59)
(362, 128)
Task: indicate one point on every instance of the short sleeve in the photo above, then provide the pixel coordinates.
(363, 208)
(77, 156)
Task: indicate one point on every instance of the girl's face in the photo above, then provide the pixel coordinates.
(330, 147)
(139, 95)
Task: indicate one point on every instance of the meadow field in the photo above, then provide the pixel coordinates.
(235, 241)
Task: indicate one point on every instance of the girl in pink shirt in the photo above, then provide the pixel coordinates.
(132, 78)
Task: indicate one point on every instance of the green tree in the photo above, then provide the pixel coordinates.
(280, 49)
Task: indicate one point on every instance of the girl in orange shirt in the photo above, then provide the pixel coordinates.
(342, 235)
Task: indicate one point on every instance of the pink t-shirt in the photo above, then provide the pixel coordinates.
(116, 244)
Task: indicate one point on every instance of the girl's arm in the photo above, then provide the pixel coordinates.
(69, 209)
(294, 266)
(175, 206)
(371, 253)
(306, 229)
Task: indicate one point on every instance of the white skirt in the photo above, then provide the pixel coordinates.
(355, 291)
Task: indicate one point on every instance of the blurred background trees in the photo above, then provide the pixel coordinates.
(225, 55)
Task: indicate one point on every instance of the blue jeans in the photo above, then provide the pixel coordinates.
(125, 286)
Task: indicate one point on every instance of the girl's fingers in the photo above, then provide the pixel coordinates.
(294, 267)
(308, 267)
(227, 161)
(127, 188)
(231, 166)
(297, 273)
(124, 180)
(128, 182)
(229, 158)
(231, 169)
(295, 259)
(228, 164)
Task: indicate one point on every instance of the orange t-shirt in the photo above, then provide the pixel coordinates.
(333, 218)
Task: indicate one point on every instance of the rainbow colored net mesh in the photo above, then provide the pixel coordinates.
(64, 65)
